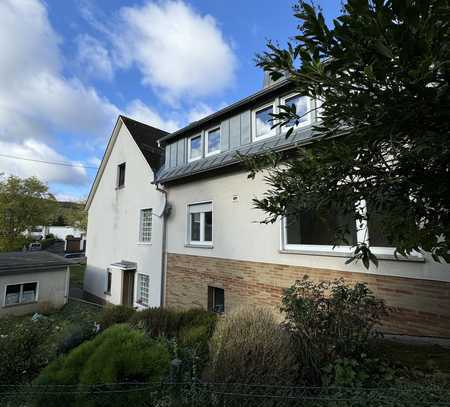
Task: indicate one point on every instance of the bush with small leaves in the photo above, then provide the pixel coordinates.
(115, 314)
(330, 320)
(249, 346)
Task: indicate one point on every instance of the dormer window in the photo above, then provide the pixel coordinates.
(121, 175)
(212, 141)
(195, 148)
(302, 107)
(262, 122)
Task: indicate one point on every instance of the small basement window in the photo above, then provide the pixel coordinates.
(21, 293)
(121, 175)
(216, 299)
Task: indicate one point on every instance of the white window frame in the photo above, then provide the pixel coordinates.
(308, 122)
(138, 290)
(362, 236)
(20, 294)
(141, 226)
(270, 133)
(191, 159)
(202, 242)
(310, 247)
(207, 152)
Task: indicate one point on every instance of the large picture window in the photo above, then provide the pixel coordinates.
(200, 223)
(309, 230)
(21, 293)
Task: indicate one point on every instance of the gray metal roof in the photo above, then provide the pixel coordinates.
(276, 143)
(28, 262)
(240, 104)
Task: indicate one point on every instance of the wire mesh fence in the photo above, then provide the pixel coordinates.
(221, 395)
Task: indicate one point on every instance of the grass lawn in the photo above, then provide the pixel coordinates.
(77, 275)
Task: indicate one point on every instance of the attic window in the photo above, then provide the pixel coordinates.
(121, 175)
(262, 122)
(195, 148)
(302, 107)
(212, 142)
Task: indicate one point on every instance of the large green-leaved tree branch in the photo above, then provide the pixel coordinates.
(382, 75)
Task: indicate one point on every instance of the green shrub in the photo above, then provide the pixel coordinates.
(118, 355)
(330, 320)
(47, 242)
(23, 350)
(76, 335)
(115, 314)
(249, 346)
(164, 322)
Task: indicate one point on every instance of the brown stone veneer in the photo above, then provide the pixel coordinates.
(419, 307)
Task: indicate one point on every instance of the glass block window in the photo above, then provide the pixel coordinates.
(146, 225)
(143, 288)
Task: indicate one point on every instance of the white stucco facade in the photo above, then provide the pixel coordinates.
(239, 235)
(114, 219)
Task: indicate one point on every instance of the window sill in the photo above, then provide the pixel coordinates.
(328, 253)
(144, 243)
(19, 304)
(108, 293)
(119, 188)
(199, 246)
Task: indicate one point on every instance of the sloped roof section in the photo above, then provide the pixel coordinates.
(228, 158)
(23, 262)
(146, 137)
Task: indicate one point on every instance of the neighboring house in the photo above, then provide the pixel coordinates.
(217, 253)
(32, 282)
(124, 248)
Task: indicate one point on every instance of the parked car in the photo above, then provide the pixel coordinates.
(32, 247)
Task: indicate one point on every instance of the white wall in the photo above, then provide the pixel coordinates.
(237, 233)
(114, 220)
(52, 291)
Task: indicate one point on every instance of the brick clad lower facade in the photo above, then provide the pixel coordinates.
(419, 307)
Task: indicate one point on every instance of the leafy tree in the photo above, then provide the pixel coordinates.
(381, 73)
(24, 204)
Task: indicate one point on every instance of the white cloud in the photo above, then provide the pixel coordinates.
(37, 102)
(178, 51)
(200, 111)
(94, 58)
(35, 97)
(139, 111)
(36, 150)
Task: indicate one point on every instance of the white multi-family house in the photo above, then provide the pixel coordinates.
(214, 252)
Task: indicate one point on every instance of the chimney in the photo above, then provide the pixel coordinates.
(268, 81)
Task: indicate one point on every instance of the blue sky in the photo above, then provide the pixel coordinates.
(68, 68)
